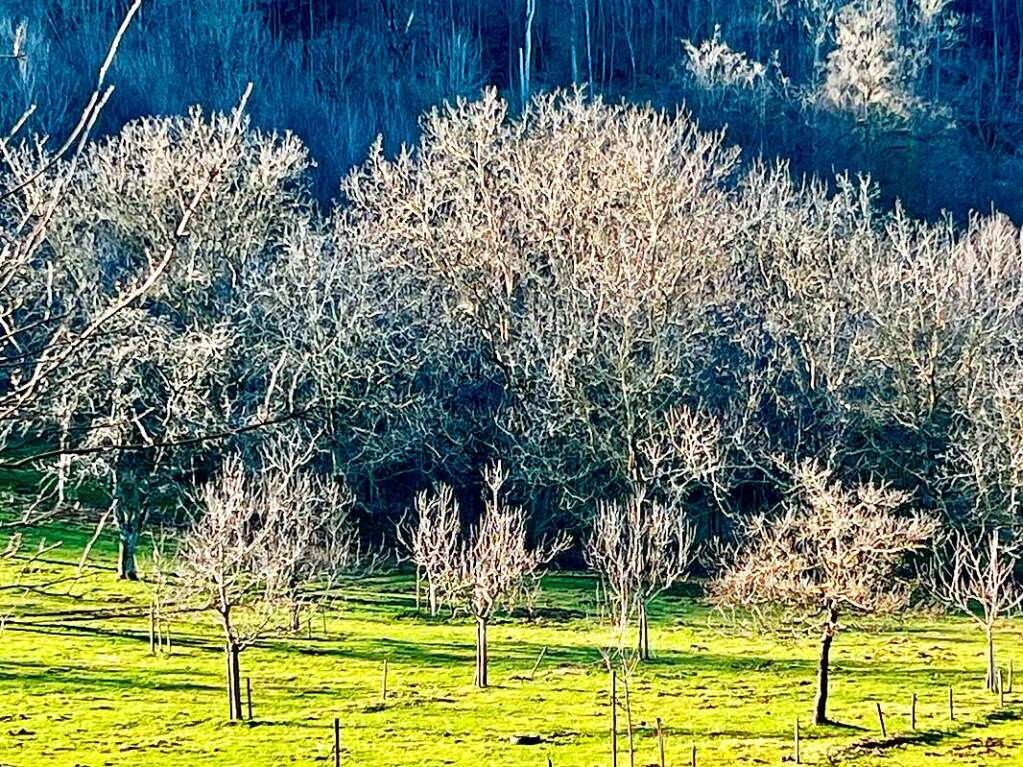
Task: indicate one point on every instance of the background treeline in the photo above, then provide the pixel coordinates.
(925, 95)
(597, 296)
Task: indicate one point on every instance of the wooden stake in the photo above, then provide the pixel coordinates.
(538, 660)
(1010, 676)
(694, 756)
(912, 713)
(951, 707)
(614, 719)
(248, 695)
(152, 630)
(309, 626)
(337, 742)
(1001, 690)
(795, 742)
(660, 740)
(880, 718)
(628, 718)
(383, 685)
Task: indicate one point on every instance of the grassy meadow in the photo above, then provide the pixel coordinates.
(78, 685)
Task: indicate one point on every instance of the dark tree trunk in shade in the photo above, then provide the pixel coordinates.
(127, 542)
(644, 633)
(234, 686)
(481, 652)
(820, 715)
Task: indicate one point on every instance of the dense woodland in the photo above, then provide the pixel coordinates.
(609, 329)
(925, 95)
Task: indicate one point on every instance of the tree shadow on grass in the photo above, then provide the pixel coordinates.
(928, 737)
(833, 724)
(26, 674)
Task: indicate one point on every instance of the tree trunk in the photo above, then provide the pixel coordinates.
(432, 597)
(991, 680)
(644, 633)
(234, 685)
(481, 652)
(296, 617)
(820, 715)
(127, 543)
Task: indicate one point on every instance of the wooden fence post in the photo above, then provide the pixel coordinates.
(152, 630)
(1001, 690)
(951, 706)
(337, 742)
(912, 713)
(614, 719)
(795, 742)
(536, 665)
(660, 740)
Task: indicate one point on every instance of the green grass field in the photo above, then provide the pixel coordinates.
(78, 685)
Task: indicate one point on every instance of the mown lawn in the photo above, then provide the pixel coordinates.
(78, 685)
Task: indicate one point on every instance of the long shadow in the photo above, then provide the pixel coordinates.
(131, 635)
(504, 654)
(446, 653)
(49, 675)
(836, 725)
(931, 737)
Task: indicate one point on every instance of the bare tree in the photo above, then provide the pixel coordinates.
(639, 547)
(38, 340)
(69, 312)
(832, 551)
(580, 253)
(431, 540)
(261, 540)
(869, 70)
(976, 573)
(496, 568)
(319, 524)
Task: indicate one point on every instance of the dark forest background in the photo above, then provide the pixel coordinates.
(923, 95)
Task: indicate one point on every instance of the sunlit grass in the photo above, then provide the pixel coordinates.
(78, 685)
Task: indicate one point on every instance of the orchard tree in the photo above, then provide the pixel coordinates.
(431, 541)
(640, 548)
(832, 551)
(495, 566)
(642, 545)
(260, 539)
(976, 573)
